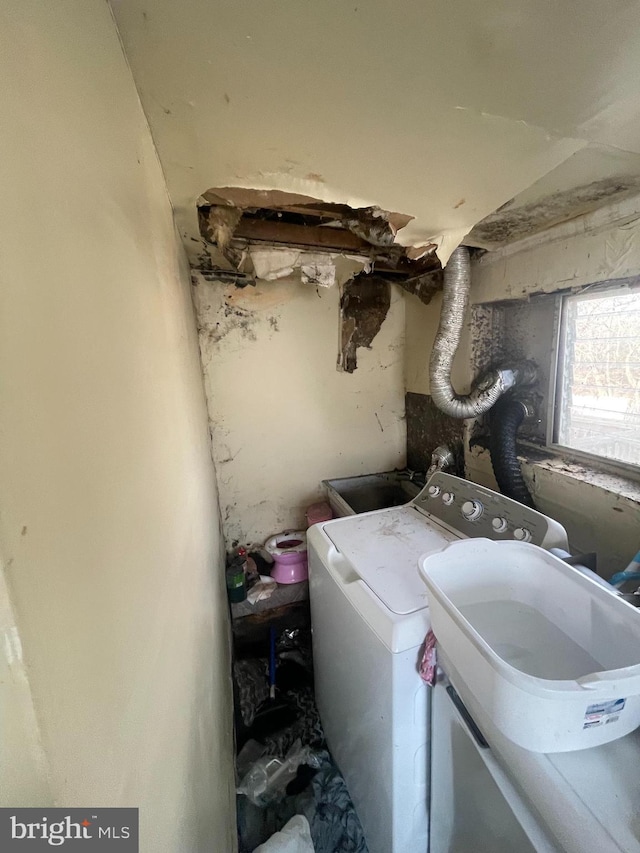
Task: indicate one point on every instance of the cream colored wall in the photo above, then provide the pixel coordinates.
(23, 765)
(109, 527)
(282, 417)
(599, 514)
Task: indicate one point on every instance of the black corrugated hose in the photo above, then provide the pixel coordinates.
(506, 417)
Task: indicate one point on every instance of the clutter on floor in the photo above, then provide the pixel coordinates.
(262, 590)
(283, 767)
(295, 837)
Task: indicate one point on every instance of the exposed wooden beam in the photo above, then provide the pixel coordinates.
(302, 235)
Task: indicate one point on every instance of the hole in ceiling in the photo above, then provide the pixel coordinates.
(233, 221)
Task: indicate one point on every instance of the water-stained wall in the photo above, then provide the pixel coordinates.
(282, 416)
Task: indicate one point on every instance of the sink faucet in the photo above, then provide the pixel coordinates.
(441, 459)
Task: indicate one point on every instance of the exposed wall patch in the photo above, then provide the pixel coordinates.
(363, 308)
(428, 427)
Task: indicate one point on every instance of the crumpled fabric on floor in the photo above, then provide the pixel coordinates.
(325, 802)
(335, 827)
(250, 676)
(253, 689)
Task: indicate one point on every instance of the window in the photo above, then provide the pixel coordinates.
(598, 374)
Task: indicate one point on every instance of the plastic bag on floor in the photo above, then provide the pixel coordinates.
(247, 757)
(268, 777)
(294, 837)
(263, 589)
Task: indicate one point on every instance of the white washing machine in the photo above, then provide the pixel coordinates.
(369, 618)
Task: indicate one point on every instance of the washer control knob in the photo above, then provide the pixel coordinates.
(448, 498)
(433, 491)
(499, 524)
(522, 534)
(472, 510)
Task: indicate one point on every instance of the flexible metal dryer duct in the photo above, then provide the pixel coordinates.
(455, 296)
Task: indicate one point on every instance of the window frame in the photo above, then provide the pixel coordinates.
(555, 391)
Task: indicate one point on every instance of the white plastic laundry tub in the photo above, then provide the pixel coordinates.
(548, 656)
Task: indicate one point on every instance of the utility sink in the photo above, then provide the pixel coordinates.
(353, 495)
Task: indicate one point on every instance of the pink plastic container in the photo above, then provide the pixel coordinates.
(319, 512)
(289, 551)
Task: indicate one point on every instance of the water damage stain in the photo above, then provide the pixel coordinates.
(510, 222)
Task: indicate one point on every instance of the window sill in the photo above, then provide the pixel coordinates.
(615, 483)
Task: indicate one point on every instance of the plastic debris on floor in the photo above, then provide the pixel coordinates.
(284, 768)
(295, 837)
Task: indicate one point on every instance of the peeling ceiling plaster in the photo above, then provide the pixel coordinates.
(239, 226)
(445, 111)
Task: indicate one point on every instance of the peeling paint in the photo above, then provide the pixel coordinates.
(363, 307)
(271, 234)
(314, 268)
(377, 226)
(243, 197)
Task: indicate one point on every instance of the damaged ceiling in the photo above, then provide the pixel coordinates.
(258, 234)
(477, 121)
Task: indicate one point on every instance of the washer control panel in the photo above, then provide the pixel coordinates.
(475, 511)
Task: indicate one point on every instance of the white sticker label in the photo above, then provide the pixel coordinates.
(603, 713)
